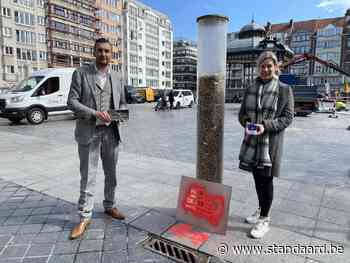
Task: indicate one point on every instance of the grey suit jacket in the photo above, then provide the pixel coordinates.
(82, 101)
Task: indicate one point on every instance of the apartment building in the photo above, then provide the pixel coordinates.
(108, 16)
(147, 46)
(320, 37)
(328, 39)
(71, 32)
(23, 47)
(185, 65)
(345, 57)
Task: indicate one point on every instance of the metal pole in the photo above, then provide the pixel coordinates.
(212, 35)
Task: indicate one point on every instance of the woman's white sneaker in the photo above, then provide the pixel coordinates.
(253, 219)
(261, 227)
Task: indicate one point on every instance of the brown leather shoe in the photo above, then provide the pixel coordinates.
(115, 213)
(79, 229)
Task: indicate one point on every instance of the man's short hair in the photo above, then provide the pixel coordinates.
(101, 41)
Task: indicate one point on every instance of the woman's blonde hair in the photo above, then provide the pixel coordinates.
(268, 55)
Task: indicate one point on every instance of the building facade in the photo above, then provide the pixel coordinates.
(242, 52)
(70, 32)
(345, 57)
(108, 17)
(148, 36)
(185, 65)
(320, 37)
(328, 39)
(23, 47)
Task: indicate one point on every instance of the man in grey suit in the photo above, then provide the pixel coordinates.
(93, 92)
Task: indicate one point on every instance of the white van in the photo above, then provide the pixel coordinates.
(183, 98)
(44, 93)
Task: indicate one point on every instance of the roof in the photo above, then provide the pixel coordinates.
(252, 27)
(309, 25)
(44, 72)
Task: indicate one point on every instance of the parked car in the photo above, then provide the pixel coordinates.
(133, 96)
(44, 92)
(183, 98)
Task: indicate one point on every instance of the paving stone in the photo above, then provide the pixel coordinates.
(90, 245)
(14, 251)
(48, 238)
(30, 228)
(91, 257)
(18, 220)
(94, 234)
(114, 245)
(39, 250)
(338, 204)
(98, 223)
(298, 208)
(332, 232)
(4, 230)
(276, 259)
(23, 239)
(35, 260)
(154, 222)
(335, 217)
(36, 219)
(22, 212)
(308, 260)
(62, 259)
(6, 213)
(52, 227)
(114, 257)
(5, 239)
(116, 233)
(29, 204)
(3, 220)
(139, 254)
(66, 248)
(42, 210)
(18, 260)
(295, 223)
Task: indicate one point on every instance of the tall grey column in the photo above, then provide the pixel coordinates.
(212, 34)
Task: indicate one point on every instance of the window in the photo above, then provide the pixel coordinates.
(40, 3)
(8, 50)
(60, 11)
(9, 69)
(28, 3)
(24, 18)
(51, 85)
(25, 37)
(41, 20)
(42, 55)
(5, 11)
(7, 31)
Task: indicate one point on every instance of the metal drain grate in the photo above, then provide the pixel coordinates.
(173, 250)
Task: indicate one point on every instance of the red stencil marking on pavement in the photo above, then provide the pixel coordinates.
(185, 231)
(198, 202)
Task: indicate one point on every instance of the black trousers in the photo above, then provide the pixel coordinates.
(264, 188)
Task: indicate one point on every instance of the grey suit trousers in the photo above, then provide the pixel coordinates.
(103, 144)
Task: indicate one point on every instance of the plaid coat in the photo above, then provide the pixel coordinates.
(275, 127)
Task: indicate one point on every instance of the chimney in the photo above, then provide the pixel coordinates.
(291, 26)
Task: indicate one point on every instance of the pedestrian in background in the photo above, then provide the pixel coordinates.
(94, 91)
(266, 111)
(171, 99)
